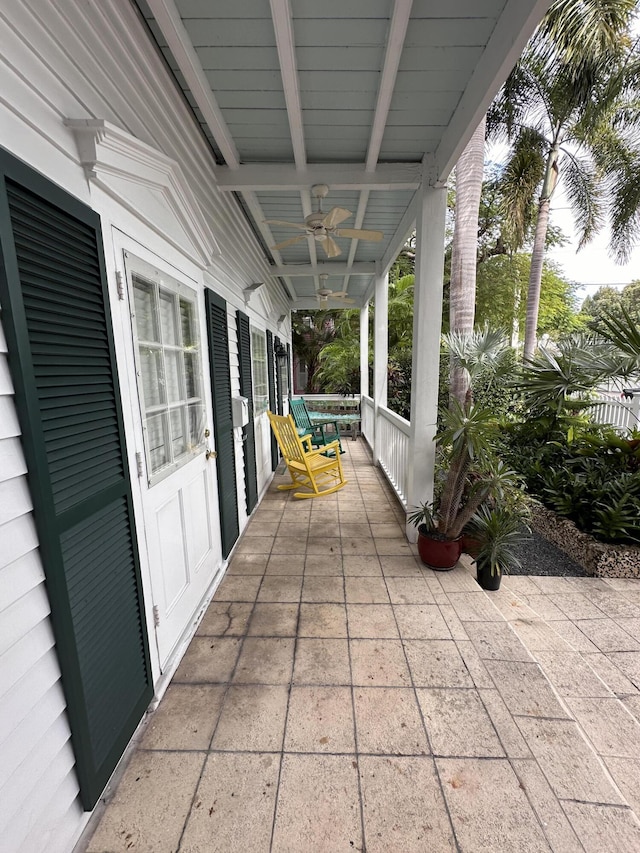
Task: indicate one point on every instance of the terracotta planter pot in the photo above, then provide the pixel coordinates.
(438, 554)
(486, 579)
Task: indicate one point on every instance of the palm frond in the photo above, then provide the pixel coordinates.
(623, 332)
(625, 205)
(483, 348)
(582, 184)
(521, 180)
(583, 31)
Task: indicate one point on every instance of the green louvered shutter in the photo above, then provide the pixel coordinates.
(271, 366)
(58, 325)
(218, 332)
(279, 389)
(248, 432)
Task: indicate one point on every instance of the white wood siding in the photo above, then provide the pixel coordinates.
(38, 787)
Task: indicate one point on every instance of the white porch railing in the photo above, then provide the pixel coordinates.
(620, 413)
(393, 434)
(366, 413)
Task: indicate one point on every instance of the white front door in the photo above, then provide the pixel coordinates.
(179, 494)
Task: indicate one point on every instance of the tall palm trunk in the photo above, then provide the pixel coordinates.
(537, 255)
(469, 174)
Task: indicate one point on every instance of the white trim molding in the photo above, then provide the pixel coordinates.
(139, 176)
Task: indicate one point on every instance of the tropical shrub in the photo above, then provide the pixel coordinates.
(592, 478)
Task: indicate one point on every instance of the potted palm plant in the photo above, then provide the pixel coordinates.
(469, 475)
(499, 530)
(468, 472)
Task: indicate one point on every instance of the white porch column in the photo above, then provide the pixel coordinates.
(427, 319)
(380, 356)
(364, 350)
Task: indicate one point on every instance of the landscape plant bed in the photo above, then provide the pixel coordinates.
(599, 559)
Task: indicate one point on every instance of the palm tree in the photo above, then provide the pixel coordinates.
(567, 112)
(462, 295)
(311, 332)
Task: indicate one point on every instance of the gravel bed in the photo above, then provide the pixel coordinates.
(541, 557)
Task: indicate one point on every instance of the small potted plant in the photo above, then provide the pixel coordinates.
(498, 530)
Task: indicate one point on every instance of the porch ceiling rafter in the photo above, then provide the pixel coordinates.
(395, 45)
(339, 176)
(283, 28)
(297, 270)
(170, 23)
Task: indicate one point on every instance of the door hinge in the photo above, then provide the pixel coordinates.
(156, 615)
(139, 464)
(120, 284)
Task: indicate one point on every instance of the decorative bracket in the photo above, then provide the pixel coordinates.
(140, 177)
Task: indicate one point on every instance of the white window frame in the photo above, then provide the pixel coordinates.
(186, 405)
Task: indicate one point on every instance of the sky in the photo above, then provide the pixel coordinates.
(592, 264)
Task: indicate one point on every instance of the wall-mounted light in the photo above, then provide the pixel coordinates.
(281, 355)
(281, 319)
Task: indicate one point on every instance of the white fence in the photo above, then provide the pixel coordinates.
(392, 433)
(624, 414)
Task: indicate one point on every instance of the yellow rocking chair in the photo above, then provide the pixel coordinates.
(308, 468)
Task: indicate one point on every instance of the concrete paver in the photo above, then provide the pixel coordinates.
(339, 695)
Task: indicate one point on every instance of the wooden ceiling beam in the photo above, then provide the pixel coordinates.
(170, 23)
(332, 268)
(338, 176)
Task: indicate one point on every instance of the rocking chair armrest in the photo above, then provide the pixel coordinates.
(322, 450)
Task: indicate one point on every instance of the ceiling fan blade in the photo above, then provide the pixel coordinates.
(340, 293)
(290, 241)
(335, 216)
(358, 234)
(283, 222)
(344, 300)
(330, 247)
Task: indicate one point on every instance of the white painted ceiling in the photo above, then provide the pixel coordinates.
(370, 97)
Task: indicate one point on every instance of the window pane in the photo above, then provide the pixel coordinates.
(178, 438)
(187, 320)
(172, 362)
(168, 319)
(169, 366)
(157, 438)
(192, 374)
(196, 425)
(146, 321)
(152, 381)
(259, 367)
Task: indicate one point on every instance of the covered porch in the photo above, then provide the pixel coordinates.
(338, 695)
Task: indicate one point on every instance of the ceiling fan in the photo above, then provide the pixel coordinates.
(323, 227)
(325, 293)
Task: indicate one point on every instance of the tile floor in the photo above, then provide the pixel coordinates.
(338, 695)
